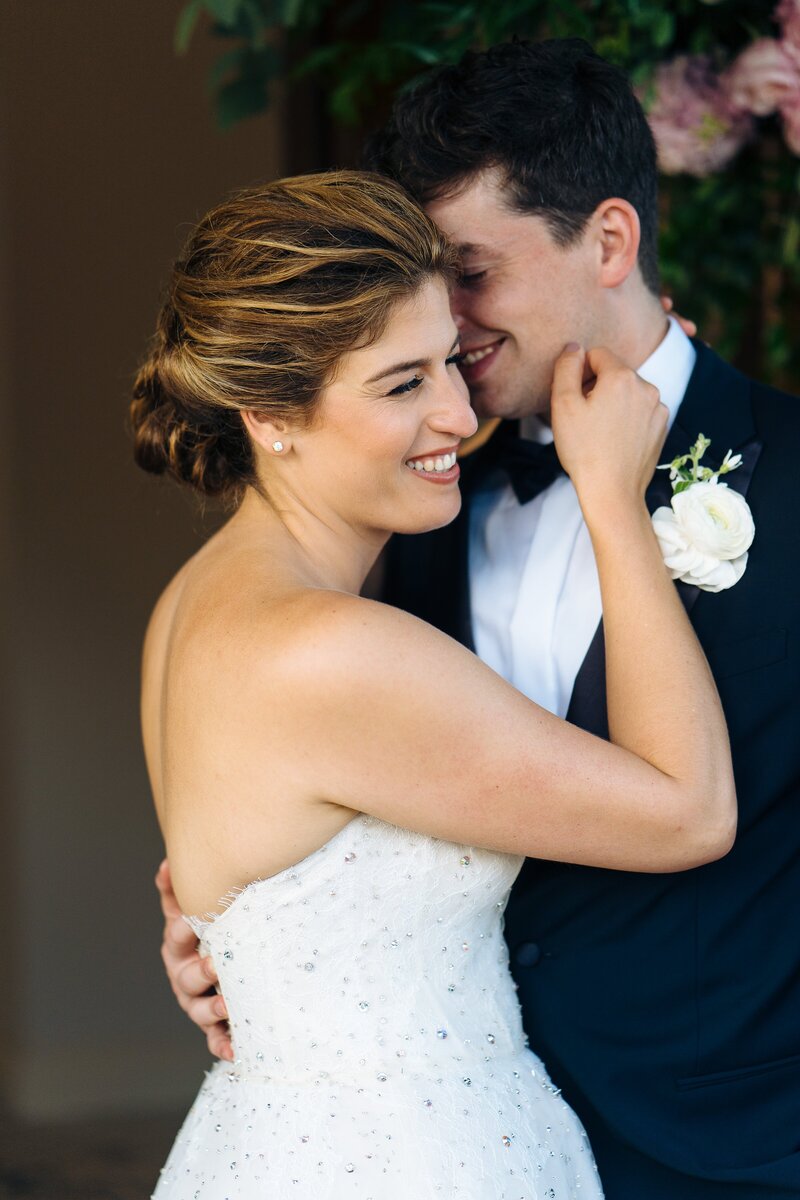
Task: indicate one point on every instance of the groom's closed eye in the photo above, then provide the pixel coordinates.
(471, 278)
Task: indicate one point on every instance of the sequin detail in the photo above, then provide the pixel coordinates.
(379, 1051)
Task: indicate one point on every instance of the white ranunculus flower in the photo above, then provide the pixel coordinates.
(705, 535)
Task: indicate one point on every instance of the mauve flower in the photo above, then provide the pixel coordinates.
(790, 114)
(697, 128)
(762, 77)
(787, 14)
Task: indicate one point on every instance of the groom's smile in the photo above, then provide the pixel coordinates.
(520, 298)
(478, 360)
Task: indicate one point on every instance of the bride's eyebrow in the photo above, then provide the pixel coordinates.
(407, 366)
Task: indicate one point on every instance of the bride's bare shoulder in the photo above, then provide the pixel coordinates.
(327, 635)
(248, 628)
(163, 615)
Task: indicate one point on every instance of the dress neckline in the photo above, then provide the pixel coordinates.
(231, 899)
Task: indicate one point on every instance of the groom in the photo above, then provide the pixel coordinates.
(666, 1006)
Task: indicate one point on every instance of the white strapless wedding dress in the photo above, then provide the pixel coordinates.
(379, 1045)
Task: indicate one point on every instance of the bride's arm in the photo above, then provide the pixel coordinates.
(409, 726)
(430, 737)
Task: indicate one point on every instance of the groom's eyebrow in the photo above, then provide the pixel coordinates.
(407, 366)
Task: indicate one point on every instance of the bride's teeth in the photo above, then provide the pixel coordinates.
(443, 462)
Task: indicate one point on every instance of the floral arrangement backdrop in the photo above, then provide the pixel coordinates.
(720, 80)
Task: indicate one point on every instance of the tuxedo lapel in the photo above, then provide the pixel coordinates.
(461, 607)
(717, 404)
(457, 568)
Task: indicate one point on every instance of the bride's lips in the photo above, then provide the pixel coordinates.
(423, 466)
(485, 355)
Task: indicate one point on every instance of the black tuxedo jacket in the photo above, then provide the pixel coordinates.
(668, 1006)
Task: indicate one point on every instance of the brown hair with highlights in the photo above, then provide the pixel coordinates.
(275, 285)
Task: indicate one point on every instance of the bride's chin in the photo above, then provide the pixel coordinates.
(433, 516)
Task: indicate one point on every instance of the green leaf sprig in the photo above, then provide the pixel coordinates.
(686, 470)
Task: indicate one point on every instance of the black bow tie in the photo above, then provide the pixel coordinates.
(530, 467)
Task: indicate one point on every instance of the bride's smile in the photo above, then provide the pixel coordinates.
(399, 403)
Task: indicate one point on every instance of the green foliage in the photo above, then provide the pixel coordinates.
(730, 242)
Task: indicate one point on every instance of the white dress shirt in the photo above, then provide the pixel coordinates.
(534, 589)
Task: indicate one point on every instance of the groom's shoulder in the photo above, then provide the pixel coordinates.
(776, 418)
(775, 411)
(774, 400)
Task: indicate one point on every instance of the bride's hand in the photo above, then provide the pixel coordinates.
(609, 427)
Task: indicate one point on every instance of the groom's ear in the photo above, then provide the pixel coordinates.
(617, 234)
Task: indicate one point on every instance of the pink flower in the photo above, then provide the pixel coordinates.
(696, 127)
(790, 112)
(787, 14)
(761, 78)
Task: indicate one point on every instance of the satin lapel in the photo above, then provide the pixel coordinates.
(462, 608)
(433, 578)
(717, 403)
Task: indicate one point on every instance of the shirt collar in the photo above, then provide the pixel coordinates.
(670, 366)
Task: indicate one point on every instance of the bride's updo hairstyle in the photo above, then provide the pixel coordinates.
(275, 285)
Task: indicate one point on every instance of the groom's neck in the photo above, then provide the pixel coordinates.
(634, 325)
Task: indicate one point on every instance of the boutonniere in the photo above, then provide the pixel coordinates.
(708, 529)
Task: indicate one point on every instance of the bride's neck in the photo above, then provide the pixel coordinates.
(314, 550)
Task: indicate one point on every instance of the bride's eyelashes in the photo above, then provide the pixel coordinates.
(416, 380)
(408, 386)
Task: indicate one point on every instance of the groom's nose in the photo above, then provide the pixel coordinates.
(456, 310)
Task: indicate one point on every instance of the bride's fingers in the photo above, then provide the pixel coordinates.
(568, 374)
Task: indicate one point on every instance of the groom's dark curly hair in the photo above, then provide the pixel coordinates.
(559, 121)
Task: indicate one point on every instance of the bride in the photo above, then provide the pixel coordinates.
(346, 795)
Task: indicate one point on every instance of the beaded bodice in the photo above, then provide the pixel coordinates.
(378, 1040)
(378, 957)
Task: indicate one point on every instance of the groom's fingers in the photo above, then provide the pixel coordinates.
(219, 1042)
(169, 902)
(686, 323)
(180, 940)
(191, 977)
(196, 976)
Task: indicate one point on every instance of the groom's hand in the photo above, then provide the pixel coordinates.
(191, 977)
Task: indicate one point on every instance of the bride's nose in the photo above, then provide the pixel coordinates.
(454, 413)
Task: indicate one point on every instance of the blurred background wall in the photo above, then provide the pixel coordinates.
(109, 151)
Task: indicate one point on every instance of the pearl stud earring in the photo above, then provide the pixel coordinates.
(277, 447)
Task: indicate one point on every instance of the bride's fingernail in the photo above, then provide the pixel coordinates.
(220, 1008)
(571, 347)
